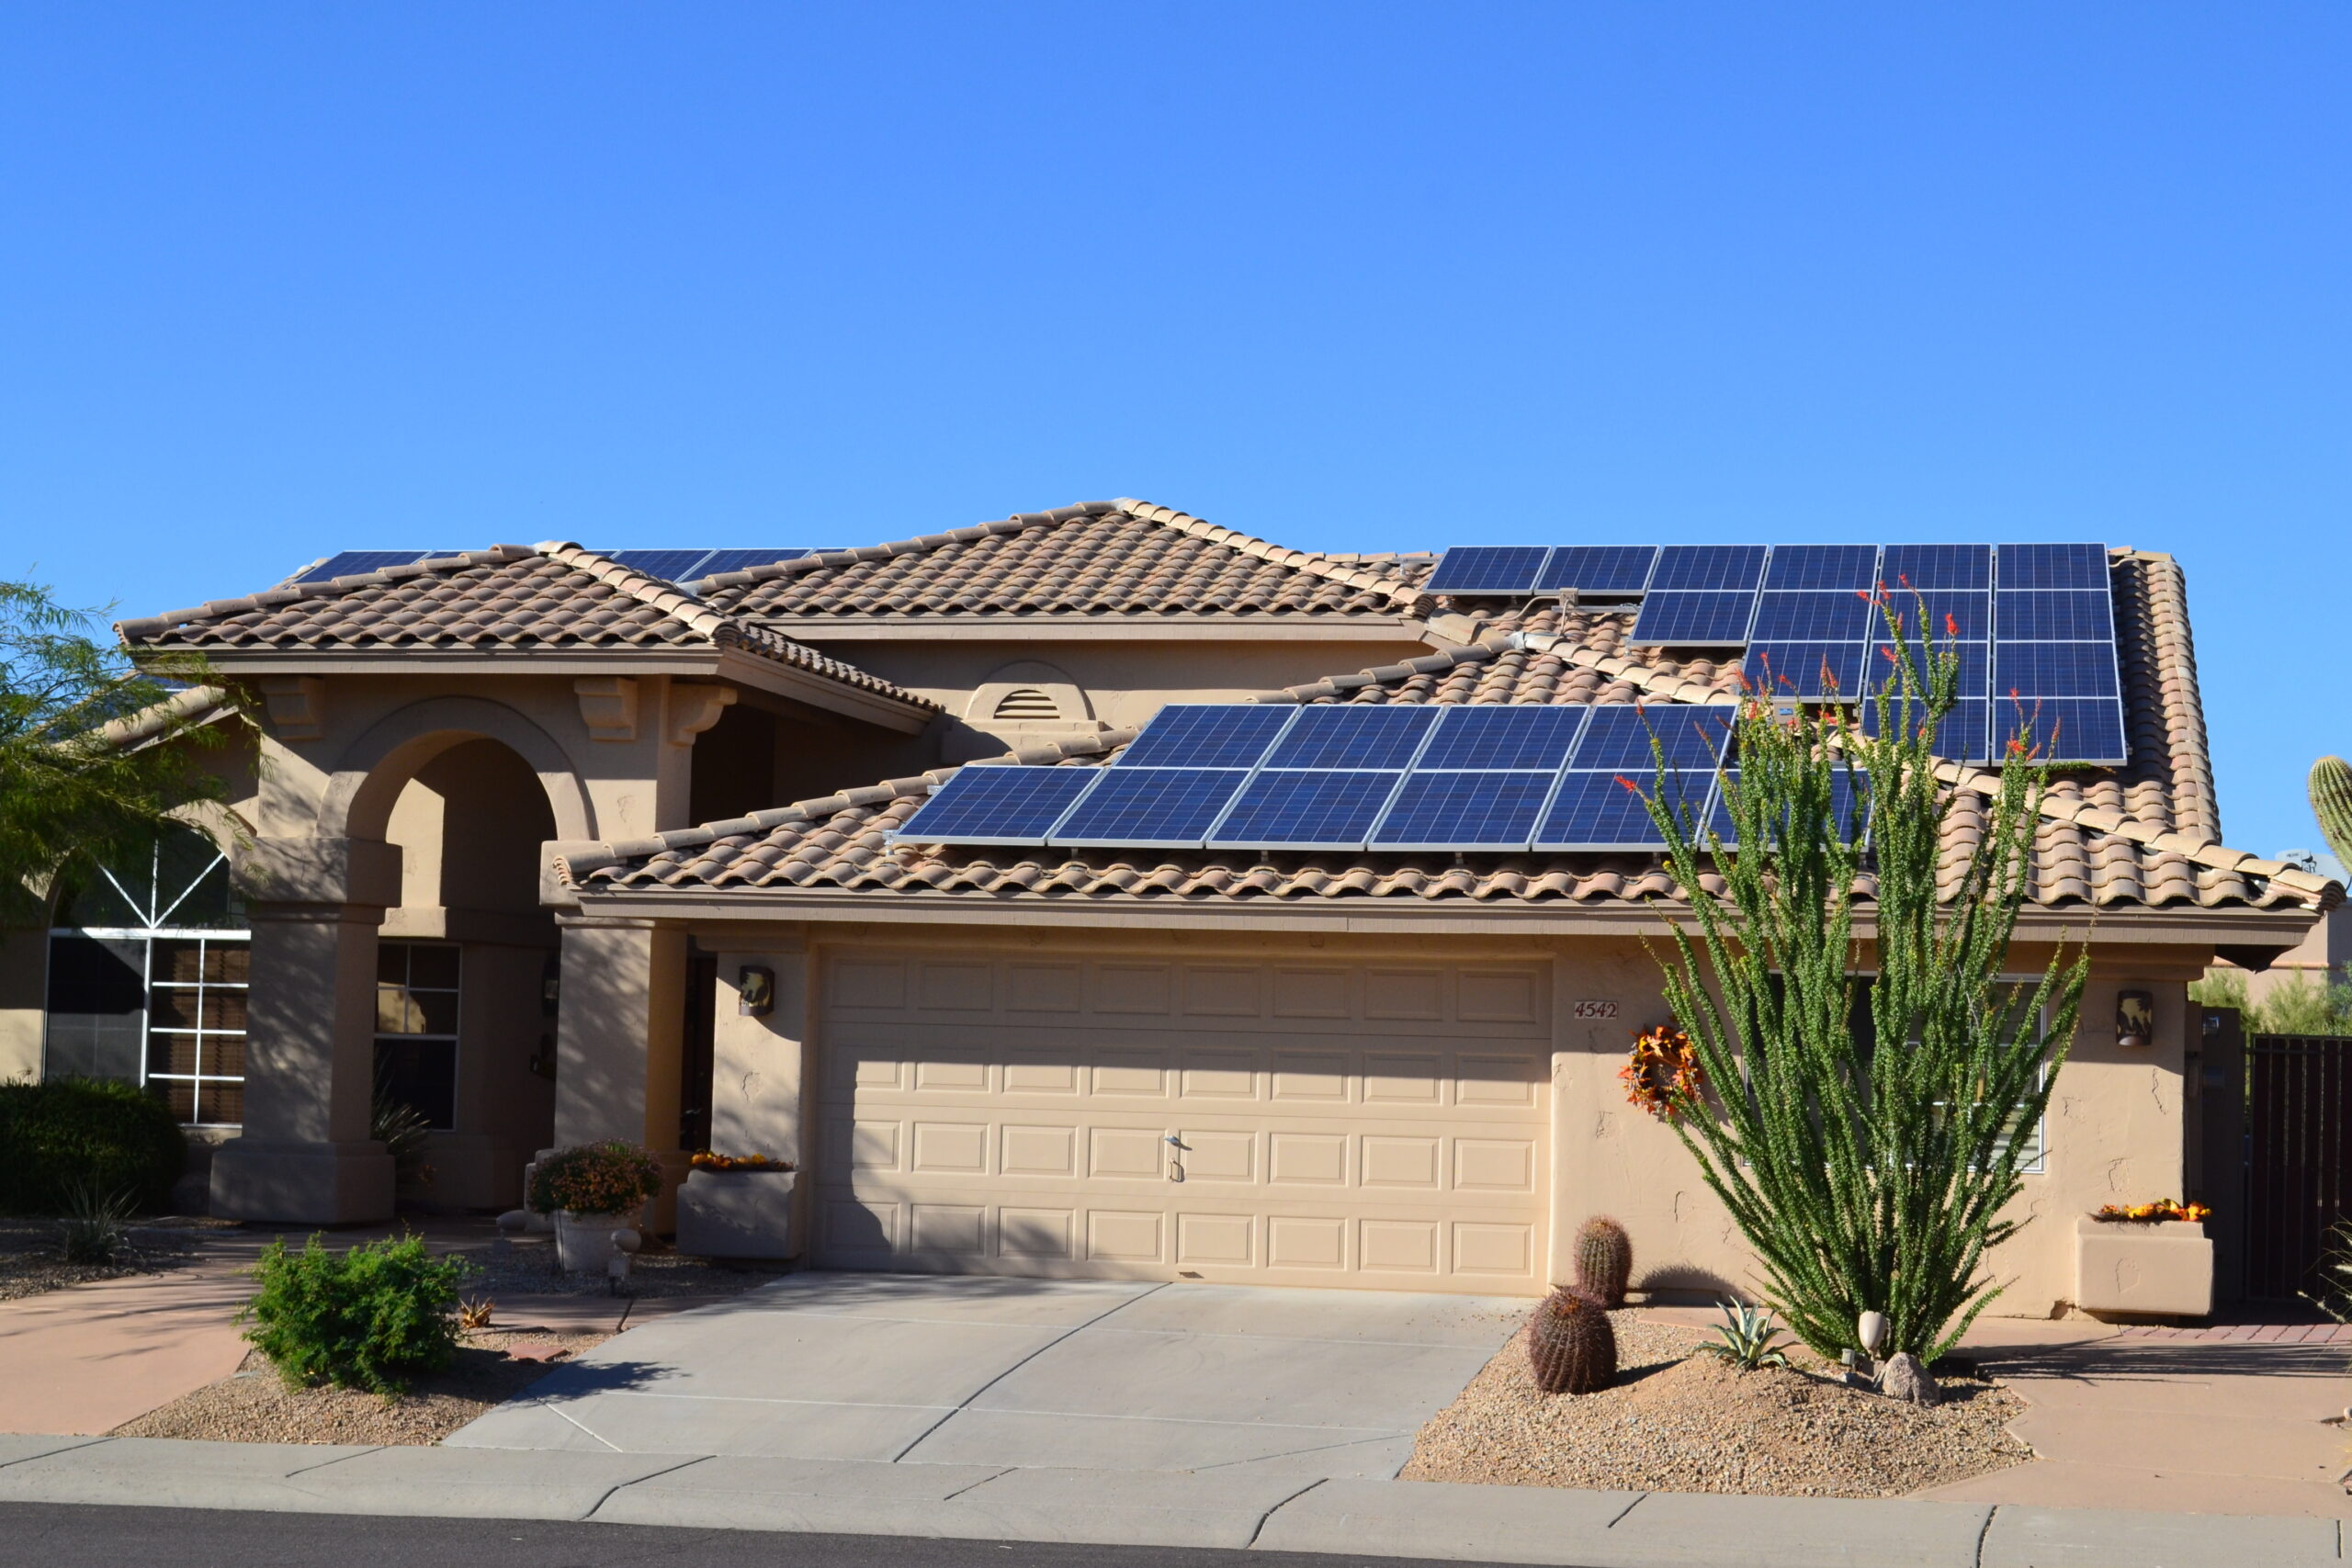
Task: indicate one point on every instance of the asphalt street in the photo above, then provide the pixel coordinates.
(65, 1536)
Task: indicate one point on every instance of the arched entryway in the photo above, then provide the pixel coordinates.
(401, 957)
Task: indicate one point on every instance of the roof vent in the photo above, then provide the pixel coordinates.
(1027, 702)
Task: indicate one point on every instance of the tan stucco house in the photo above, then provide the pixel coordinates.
(529, 825)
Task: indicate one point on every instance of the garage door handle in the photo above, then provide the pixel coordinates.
(1176, 1161)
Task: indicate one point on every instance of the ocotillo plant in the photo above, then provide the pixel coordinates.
(2331, 787)
(1868, 1170)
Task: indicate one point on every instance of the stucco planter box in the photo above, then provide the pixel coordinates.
(737, 1213)
(2162, 1269)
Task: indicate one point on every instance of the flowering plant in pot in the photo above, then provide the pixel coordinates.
(592, 1191)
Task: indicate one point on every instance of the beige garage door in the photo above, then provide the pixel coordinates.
(1381, 1126)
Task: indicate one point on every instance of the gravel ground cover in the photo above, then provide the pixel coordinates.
(1677, 1421)
(528, 1270)
(254, 1406)
(31, 1263)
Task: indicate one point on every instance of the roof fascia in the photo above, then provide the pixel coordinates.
(808, 687)
(2197, 928)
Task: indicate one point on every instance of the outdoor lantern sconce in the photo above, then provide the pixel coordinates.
(2135, 1019)
(756, 991)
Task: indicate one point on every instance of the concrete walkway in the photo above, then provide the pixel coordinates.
(85, 1358)
(2189, 1423)
(1289, 1384)
(1232, 1508)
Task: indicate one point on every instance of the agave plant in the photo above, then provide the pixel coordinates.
(1749, 1338)
(95, 1226)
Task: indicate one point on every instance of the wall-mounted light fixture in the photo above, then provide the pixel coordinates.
(755, 992)
(2135, 1019)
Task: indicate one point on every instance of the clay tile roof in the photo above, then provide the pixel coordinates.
(2142, 837)
(1121, 557)
(509, 597)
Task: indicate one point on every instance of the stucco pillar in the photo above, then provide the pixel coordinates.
(620, 1026)
(304, 1154)
(757, 1069)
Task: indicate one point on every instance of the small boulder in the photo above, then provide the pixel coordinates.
(1906, 1379)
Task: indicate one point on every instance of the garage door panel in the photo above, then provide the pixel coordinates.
(950, 1148)
(1125, 1236)
(1313, 1144)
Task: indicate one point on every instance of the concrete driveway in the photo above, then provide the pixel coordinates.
(1088, 1374)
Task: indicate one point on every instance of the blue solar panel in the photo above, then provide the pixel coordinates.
(1353, 736)
(1464, 810)
(1488, 568)
(1300, 809)
(2052, 566)
(1962, 735)
(1610, 811)
(1708, 566)
(1822, 566)
(1694, 617)
(1948, 614)
(1599, 571)
(352, 563)
(1816, 669)
(671, 565)
(1845, 786)
(1207, 735)
(1975, 665)
(2061, 616)
(1903, 566)
(1617, 738)
(1525, 737)
(1844, 616)
(998, 804)
(1148, 808)
(2069, 729)
(2056, 669)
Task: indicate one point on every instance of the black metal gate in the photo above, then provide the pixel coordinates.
(2298, 1157)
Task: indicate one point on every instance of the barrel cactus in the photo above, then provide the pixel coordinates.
(2331, 803)
(1605, 1262)
(1570, 1346)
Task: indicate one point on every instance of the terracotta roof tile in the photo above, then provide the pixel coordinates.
(1108, 557)
(510, 597)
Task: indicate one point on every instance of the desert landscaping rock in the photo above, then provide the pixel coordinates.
(1679, 1421)
(256, 1407)
(1906, 1379)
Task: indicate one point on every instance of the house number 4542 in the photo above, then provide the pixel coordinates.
(1596, 1010)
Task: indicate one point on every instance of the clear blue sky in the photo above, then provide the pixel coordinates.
(279, 280)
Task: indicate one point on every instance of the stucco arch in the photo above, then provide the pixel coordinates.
(368, 777)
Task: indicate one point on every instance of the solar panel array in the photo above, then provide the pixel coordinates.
(687, 565)
(2033, 625)
(1209, 775)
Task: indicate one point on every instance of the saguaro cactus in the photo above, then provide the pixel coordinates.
(1570, 1346)
(1605, 1259)
(2331, 803)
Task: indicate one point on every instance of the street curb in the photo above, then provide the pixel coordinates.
(1387, 1518)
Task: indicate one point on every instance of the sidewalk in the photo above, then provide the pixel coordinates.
(1403, 1519)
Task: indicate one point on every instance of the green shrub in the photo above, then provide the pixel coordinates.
(366, 1318)
(610, 1178)
(2300, 1006)
(67, 1133)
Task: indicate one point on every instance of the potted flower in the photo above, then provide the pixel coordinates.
(2144, 1259)
(591, 1192)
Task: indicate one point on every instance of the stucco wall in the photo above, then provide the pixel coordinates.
(2114, 1131)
